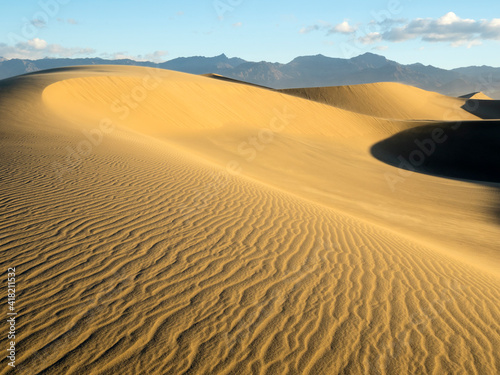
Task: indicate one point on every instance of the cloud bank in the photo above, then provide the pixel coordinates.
(449, 28)
(38, 48)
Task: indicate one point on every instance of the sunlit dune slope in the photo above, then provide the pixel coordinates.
(310, 149)
(164, 223)
(477, 95)
(185, 104)
(388, 100)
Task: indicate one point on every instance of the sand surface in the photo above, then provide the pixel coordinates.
(165, 223)
(477, 95)
(388, 100)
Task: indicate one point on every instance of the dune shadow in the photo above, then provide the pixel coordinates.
(485, 109)
(67, 69)
(232, 80)
(463, 150)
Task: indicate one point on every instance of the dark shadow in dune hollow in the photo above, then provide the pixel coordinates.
(485, 109)
(458, 150)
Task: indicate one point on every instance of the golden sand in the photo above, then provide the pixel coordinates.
(165, 223)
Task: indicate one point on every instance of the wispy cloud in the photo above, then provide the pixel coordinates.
(341, 28)
(156, 56)
(70, 21)
(370, 38)
(38, 48)
(449, 28)
(39, 23)
(238, 24)
(308, 29)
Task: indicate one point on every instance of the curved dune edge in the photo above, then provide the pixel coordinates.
(144, 259)
(177, 94)
(467, 150)
(233, 80)
(477, 95)
(484, 109)
(388, 100)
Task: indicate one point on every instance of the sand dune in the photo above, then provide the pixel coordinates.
(477, 96)
(388, 100)
(164, 223)
(227, 79)
(485, 109)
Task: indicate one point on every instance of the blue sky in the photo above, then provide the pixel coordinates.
(445, 33)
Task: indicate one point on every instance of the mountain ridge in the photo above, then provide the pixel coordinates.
(303, 71)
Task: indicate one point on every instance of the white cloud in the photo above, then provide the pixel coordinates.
(123, 55)
(37, 43)
(449, 28)
(157, 56)
(467, 43)
(38, 48)
(343, 28)
(370, 38)
(238, 24)
(59, 51)
(308, 29)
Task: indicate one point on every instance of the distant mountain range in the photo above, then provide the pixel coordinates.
(304, 71)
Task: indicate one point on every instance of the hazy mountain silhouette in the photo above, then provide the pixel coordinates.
(303, 71)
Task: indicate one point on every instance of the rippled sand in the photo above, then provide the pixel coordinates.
(165, 223)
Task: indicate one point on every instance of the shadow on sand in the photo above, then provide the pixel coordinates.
(485, 109)
(460, 150)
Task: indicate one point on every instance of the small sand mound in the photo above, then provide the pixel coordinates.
(387, 100)
(476, 95)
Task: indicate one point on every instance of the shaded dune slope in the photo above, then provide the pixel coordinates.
(227, 79)
(485, 109)
(143, 255)
(467, 150)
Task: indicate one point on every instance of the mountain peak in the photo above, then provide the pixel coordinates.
(370, 60)
(310, 58)
(368, 56)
